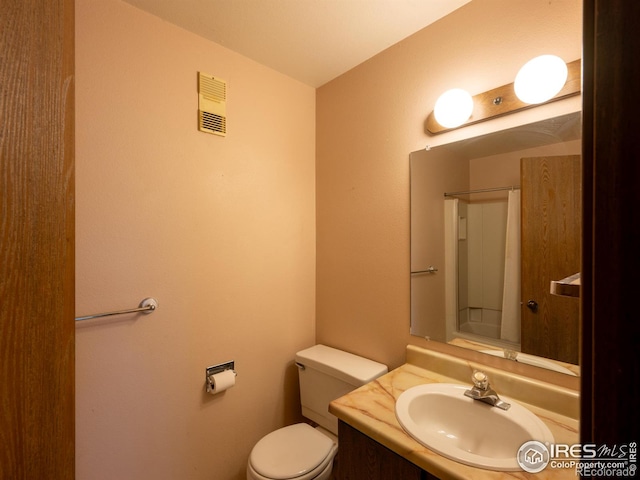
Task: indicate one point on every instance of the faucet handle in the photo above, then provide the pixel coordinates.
(480, 380)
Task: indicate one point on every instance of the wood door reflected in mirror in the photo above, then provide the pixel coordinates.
(551, 232)
(482, 163)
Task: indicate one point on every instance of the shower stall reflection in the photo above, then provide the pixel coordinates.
(482, 252)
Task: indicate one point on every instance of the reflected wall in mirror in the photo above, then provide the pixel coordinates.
(480, 244)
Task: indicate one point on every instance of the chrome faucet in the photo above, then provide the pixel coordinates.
(483, 392)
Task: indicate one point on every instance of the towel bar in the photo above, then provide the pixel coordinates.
(148, 305)
(430, 269)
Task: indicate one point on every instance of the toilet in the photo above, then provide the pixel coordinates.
(300, 451)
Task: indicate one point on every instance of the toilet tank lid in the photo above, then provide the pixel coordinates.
(351, 368)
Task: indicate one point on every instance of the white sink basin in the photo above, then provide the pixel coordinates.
(443, 419)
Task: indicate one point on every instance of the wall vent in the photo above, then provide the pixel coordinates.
(212, 104)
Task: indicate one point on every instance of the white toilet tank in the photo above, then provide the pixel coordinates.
(326, 374)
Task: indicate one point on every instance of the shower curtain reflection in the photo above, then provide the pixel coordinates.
(510, 326)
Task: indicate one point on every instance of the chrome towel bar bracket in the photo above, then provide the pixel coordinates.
(148, 305)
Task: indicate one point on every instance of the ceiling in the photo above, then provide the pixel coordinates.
(313, 41)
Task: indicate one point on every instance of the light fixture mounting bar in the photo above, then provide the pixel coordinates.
(486, 105)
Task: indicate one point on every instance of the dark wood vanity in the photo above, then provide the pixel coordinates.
(362, 458)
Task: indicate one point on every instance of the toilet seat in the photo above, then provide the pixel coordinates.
(297, 452)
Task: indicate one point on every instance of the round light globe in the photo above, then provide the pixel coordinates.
(453, 108)
(540, 79)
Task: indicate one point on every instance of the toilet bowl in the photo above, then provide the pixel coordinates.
(300, 451)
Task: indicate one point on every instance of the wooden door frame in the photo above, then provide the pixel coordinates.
(611, 196)
(37, 264)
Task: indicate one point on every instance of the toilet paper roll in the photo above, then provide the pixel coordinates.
(222, 381)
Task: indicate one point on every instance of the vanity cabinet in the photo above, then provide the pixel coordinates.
(362, 458)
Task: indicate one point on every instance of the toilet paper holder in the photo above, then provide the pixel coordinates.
(212, 370)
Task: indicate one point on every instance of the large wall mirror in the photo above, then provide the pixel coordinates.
(494, 220)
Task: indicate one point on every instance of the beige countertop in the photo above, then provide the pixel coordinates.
(371, 410)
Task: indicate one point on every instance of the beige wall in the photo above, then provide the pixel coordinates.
(220, 230)
(369, 119)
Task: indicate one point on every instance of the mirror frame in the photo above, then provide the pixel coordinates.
(609, 413)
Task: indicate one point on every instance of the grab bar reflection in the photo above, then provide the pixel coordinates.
(148, 305)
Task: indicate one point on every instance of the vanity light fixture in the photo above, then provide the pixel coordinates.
(506, 99)
(453, 108)
(540, 79)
